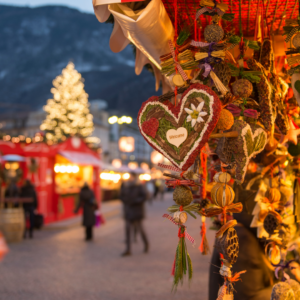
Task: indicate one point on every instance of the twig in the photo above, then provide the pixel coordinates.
(230, 134)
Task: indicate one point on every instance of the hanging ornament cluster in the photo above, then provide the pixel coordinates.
(224, 115)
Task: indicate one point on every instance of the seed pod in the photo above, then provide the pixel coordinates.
(242, 88)
(296, 41)
(229, 245)
(222, 194)
(182, 195)
(213, 33)
(282, 291)
(271, 223)
(180, 217)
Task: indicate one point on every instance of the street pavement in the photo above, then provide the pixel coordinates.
(59, 264)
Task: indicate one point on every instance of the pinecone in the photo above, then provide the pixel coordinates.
(267, 54)
(229, 245)
(263, 87)
(256, 54)
(204, 203)
(271, 224)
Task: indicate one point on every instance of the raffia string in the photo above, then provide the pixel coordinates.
(204, 246)
(218, 83)
(218, 54)
(176, 50)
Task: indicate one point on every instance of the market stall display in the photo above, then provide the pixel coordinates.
(229, 106)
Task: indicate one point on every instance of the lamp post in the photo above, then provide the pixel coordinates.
(119, 122)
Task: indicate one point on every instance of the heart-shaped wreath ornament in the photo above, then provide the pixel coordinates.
(183, 129)
(248, 144)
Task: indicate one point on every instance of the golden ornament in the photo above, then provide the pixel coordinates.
(274, 255)
(178, 80)
(273, 195)
(222, 194)
(222, 177)
(226, 120)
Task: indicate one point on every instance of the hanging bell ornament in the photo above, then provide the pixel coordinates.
(296, 41)
(180, 217)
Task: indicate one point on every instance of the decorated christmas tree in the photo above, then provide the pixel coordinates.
(68, 112)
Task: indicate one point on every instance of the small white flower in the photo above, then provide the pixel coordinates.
(195, 114)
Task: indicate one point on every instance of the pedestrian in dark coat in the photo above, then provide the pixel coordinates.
(12, 191)
(133, 195)
(257, 282)
(88, 202)
(28, 191)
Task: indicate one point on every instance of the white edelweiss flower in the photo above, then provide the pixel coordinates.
(195, 114)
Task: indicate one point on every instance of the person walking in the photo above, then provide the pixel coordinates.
(88, 202)
(133, 195)
(28, 191)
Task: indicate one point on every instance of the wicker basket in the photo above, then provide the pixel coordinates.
(12, 224)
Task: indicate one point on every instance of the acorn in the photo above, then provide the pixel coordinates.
(213, 33)
(296, 41)
(226, 120)
(182, 195)
(242, 88)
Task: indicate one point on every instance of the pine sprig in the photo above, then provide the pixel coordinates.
(178, 276)
(190, 266)
(195, 207)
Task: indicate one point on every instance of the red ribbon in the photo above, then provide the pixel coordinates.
(203, 234)
(176, 182)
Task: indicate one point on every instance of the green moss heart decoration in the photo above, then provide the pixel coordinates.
(240, 150)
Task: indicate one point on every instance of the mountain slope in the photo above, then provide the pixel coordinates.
(36, 43)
